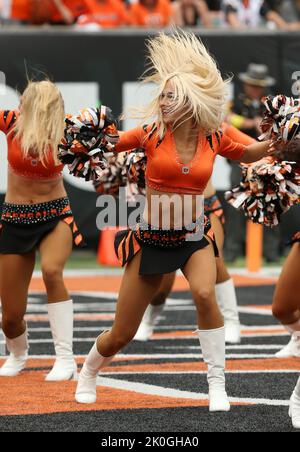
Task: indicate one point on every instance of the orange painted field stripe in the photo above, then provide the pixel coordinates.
(112, 283)
(30, 394)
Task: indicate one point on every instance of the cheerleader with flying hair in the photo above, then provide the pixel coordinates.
(181, 146)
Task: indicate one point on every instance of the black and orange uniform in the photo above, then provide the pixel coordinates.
(24, 226)
(164, 251)
(157, 16)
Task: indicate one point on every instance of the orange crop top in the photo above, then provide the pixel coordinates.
(29, 167)
(165, 172)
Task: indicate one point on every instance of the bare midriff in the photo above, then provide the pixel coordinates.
(192, 209)
(23, 190)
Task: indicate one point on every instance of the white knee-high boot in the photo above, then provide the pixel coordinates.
(87, 381)
(61, 323)
(147, 325)
(213, 349)
(16, 362)
(227, 301)
(295, 406)
(292, 349)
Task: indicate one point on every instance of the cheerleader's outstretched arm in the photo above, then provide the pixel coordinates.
(257, 151)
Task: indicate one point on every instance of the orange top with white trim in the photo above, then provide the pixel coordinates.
(29, 167)
(165, 172)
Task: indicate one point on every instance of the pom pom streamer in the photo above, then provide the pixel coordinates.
(129, 174)
(267, 190)
(89, 139)
(134, 169)
(112, 179)
(281, 123)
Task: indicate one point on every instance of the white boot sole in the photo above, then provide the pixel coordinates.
(62, 375)
(8, 370)
(218, 402)
(296, 424)
(88, 394)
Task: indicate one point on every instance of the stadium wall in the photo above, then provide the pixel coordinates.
(93, 67)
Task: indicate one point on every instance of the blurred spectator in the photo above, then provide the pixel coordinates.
(216, 12)
(14, 10)
(38, 12)
(244, 13)
(191, 13)
(105, 13)
(68, 11)
(151, 13)
(246, 111)
(284, 14)
(247, 115)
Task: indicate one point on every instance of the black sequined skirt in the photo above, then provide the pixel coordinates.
(163, 251)
(23, 226)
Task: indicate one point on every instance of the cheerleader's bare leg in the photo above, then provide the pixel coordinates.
(211, 330)
(16, 273)
(135, 294)
(225, 293)
(155, 308)
(55, 250)
(286, 302)
(286, 308)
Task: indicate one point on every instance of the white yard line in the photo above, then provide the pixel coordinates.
(142, 388)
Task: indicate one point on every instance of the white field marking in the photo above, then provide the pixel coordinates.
(265, 272)
(256, 311)
(172, 338)
(156, 355)
(163, 328)
(192, 336)
(86, 272)
(202, 372)
(99, 306)
(228, 347)
(78, 307)
(122, 358)
(142, 388)
(84, 293)
(264, 327)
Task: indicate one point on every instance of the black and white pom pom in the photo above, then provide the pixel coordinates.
(89, 139)
(267, 190)
(135, 164)
(112, 179)
(281, 123)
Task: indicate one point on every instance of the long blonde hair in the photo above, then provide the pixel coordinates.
(200, 93)
(40, 126)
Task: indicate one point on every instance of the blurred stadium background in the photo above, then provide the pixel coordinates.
(93, 63)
